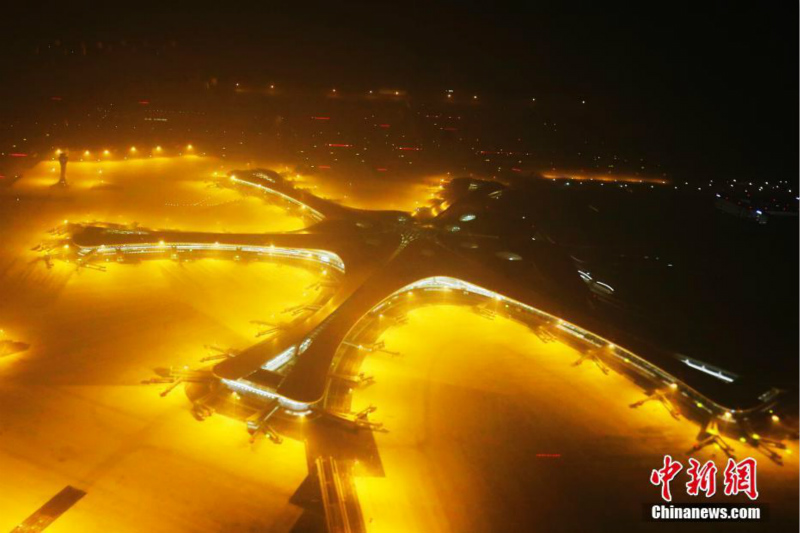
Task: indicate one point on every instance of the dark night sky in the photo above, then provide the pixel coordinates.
(714, 85)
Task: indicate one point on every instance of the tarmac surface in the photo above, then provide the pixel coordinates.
(489, 429)
(72, 409)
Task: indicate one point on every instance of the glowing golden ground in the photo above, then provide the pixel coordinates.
(475, 409)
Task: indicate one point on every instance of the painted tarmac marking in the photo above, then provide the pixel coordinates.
(47, 513)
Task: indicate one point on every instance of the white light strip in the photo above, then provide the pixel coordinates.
(316, 214)
(299, 413)
(606, 285)
(263, 176)
(279, 360)
(577, 332)
(702, 368)
(304, 345)
(247, 388)
(323, 257)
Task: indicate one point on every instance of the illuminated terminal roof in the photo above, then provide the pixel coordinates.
(489, 241)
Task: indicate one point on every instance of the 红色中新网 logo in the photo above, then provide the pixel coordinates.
(737, 478)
